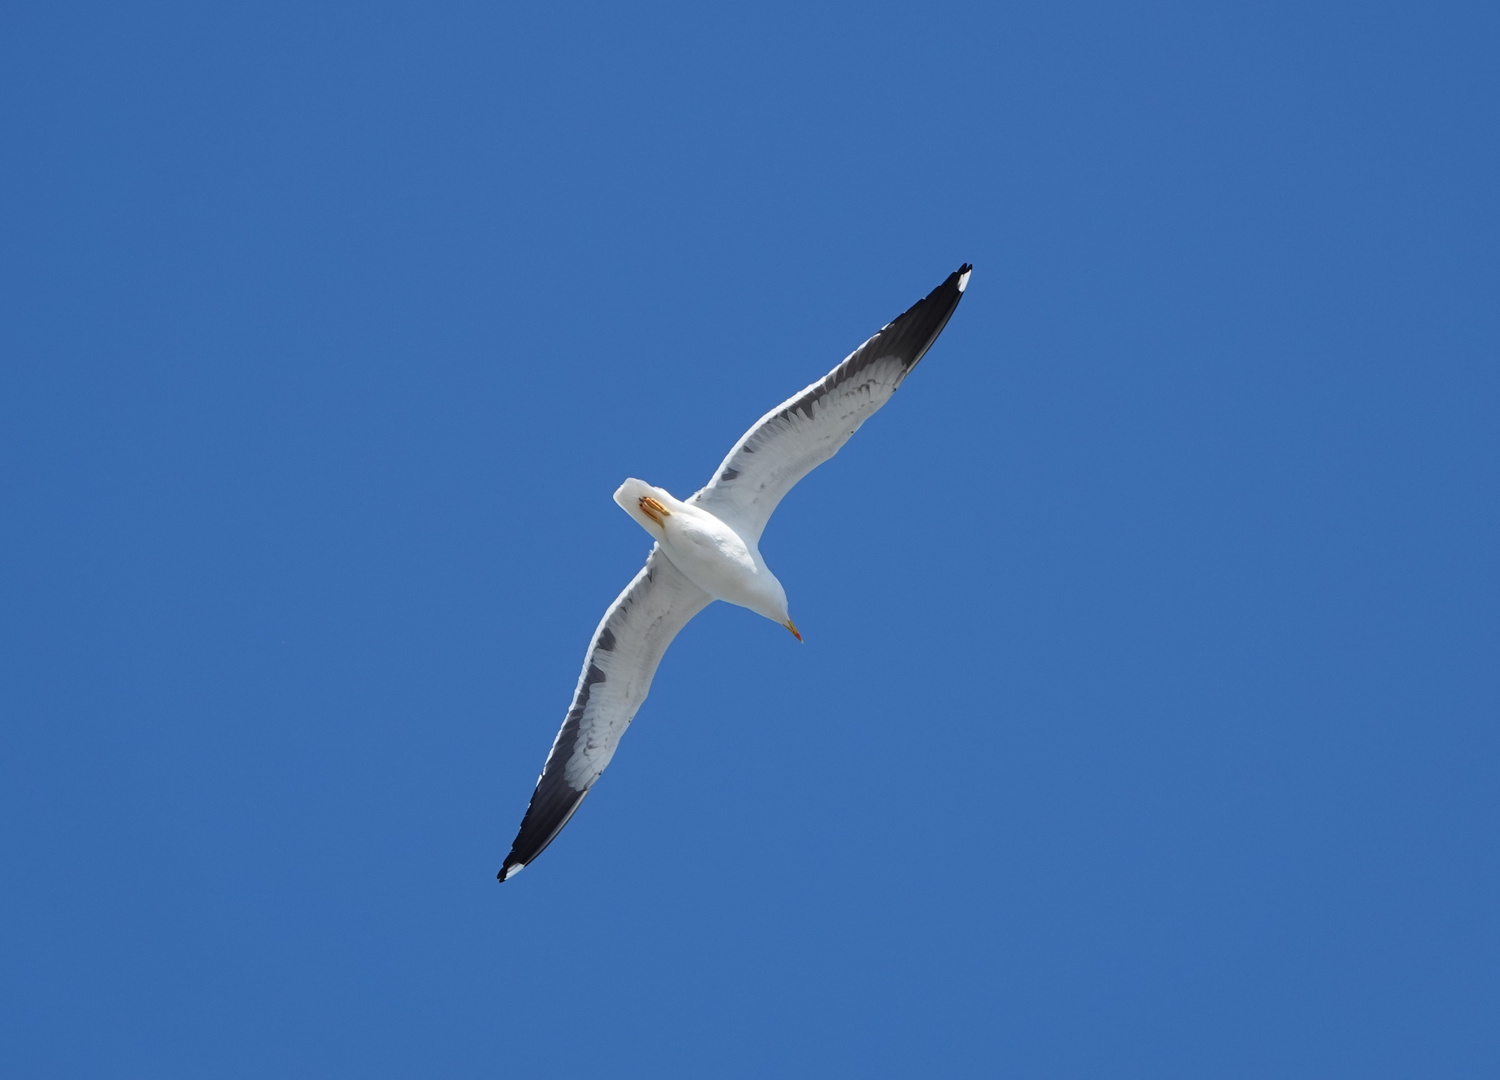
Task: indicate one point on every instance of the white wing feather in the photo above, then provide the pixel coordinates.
(617, 674)
(810, 426)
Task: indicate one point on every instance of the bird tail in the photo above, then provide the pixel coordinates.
(629, 496)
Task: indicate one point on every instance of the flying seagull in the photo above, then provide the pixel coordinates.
(708, 548)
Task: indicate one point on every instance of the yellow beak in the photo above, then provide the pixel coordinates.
(793, 628)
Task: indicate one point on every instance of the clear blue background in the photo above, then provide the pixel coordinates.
(1147, 720)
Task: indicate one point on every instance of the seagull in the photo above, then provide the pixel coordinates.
(708, 548)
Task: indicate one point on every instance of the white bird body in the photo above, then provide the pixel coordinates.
(708, 548)
(710, 553)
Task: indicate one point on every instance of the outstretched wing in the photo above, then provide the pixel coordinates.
(617, 673)
(808, 428)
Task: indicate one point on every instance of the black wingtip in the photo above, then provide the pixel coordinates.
(912, 333)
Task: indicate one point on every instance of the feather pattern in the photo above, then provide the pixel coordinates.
(616, 676)
(809, 427)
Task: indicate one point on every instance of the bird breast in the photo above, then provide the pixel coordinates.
(714, 557)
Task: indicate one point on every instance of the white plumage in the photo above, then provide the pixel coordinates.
(708, 548)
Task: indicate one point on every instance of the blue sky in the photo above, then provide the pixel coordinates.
(1146, 723)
